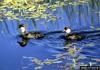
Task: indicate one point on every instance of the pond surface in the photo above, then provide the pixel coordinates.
(51, 52)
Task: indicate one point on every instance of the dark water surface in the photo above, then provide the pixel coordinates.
(50, 53)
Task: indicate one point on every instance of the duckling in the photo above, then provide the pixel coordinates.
(72, 36)
(26, 36)
(29, 35)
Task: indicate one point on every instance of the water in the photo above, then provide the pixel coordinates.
(50, 53)
(53, 52)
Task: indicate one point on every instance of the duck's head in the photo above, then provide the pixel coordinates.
(67, 30)
(22, 28)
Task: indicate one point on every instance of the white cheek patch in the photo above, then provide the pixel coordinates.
(68, 31)
(23, 29)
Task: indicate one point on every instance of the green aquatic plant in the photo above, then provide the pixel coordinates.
(33, 8)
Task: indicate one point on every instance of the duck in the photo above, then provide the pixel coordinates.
(72, 36)
(26, 36)
(29, 35)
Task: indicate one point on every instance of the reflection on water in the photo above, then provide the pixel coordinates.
(65, 56)
(50, 53)
(53, 52)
